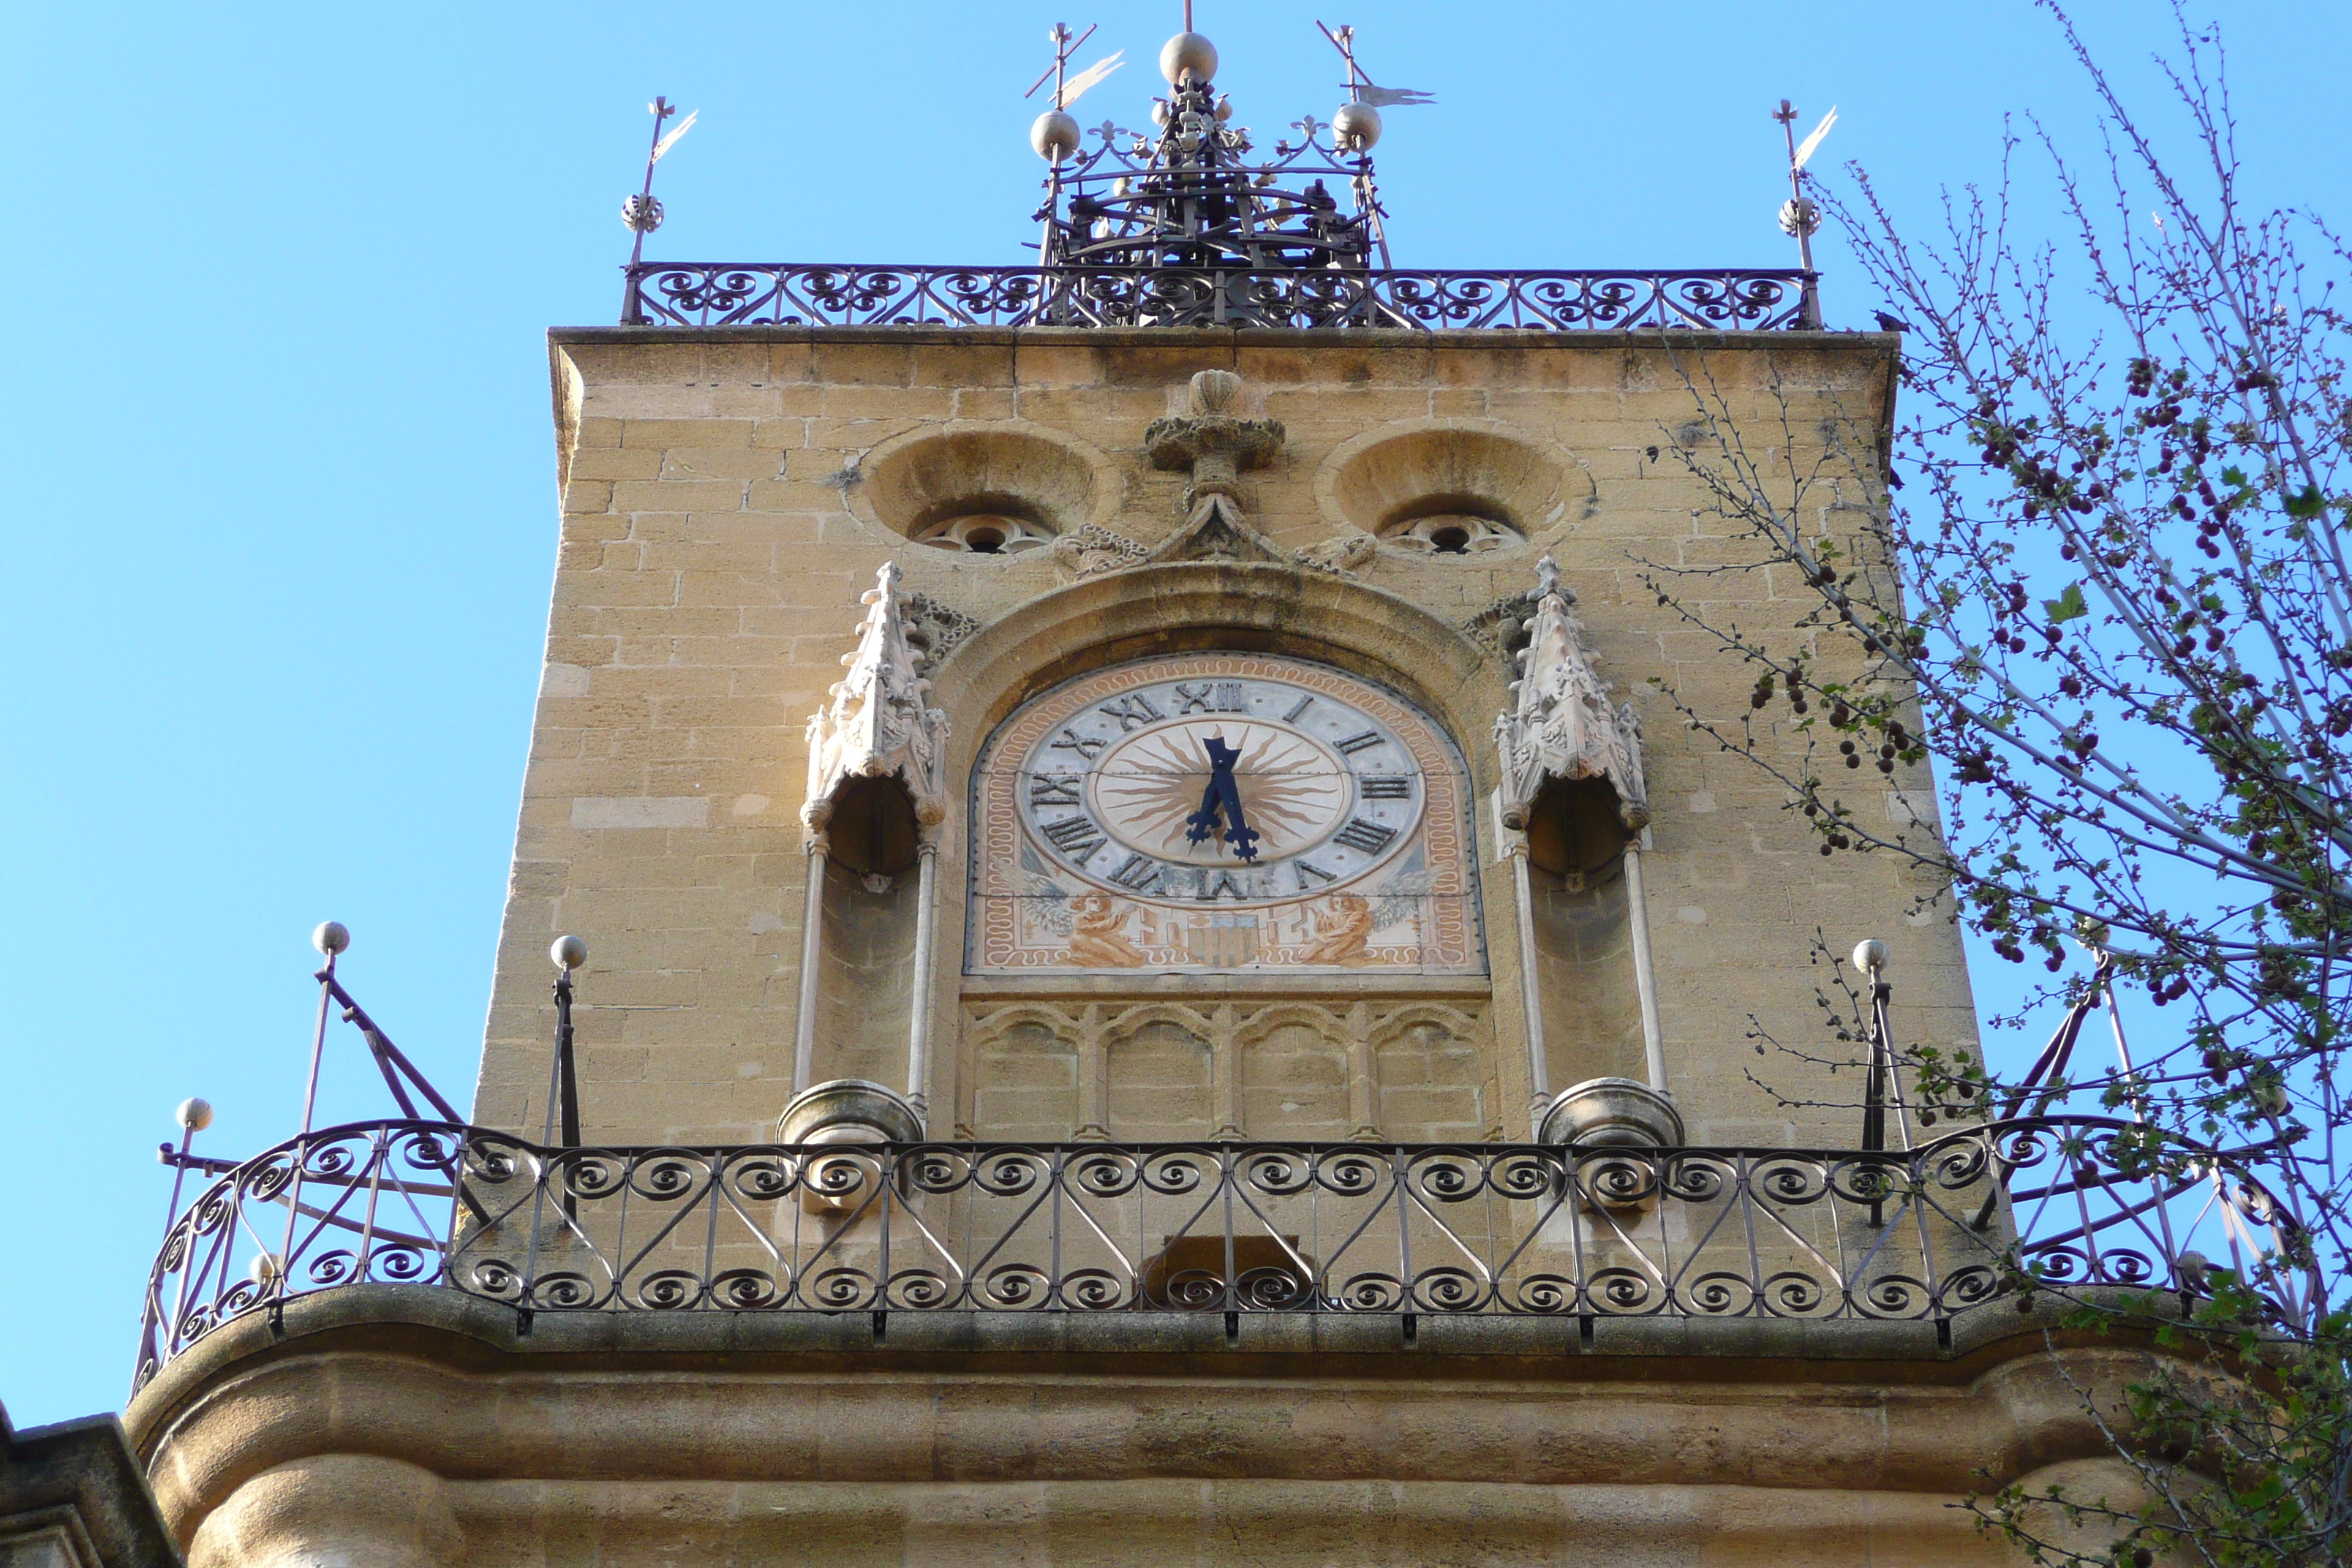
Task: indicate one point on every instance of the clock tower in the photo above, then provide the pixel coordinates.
(1165, 984)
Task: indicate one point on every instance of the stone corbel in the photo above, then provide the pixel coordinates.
(1218, 446)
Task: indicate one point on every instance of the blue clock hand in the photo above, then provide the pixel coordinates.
(1204, 824)
(1225, 793)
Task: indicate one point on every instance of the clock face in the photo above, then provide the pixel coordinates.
(1108, 841)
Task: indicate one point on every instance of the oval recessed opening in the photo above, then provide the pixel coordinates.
(1447, 490)
(981, 491)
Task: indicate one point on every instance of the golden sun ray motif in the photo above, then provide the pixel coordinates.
(1292, 789)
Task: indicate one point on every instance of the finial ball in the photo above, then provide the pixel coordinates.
(331, 938)
(193, 1114)
(1356, 127)
(1870, 956)
(1055, 135)
(1188, 52)
(568, 953)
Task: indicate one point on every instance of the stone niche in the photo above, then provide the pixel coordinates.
(1002, 489)
(1459, 488)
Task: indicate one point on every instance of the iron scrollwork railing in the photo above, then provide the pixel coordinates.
(703, 294)
(1236, 1227)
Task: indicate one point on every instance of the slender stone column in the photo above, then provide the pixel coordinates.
(919, 1025)
(1225, 1065)
(1094, 1077)
(811, 956)
(1530, 987)
(1645, 978)
(1363, 1075)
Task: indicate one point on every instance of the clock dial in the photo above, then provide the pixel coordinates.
(1098, 845)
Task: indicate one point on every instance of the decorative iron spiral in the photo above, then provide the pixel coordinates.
(1791, 1294)
(1096, 1291)
(841, 1288)
(1015, 1287)
(1369, 1292)
(666, 1290)
(1624, 1292)
(562, 1291)
(1448, 1288)
(1897, 1296)
(1720, 1294)
(1791, 1180)
(664, 1178)
(1549, 1294)
(748, 1289)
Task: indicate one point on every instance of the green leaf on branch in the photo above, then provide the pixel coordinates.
(2307, 504)
(2067, 606)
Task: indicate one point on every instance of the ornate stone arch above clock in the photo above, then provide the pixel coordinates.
(1085, 853)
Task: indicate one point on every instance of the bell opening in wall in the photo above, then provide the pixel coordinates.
(871, 830)
(1574, 829)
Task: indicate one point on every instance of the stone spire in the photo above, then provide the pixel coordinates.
(1562, 725)
(876, 722)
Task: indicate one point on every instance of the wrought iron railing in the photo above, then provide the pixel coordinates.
(706, 294)
(1239, 1228)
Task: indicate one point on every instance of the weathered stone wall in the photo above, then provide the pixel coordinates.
(727, 496)
(422, 1428)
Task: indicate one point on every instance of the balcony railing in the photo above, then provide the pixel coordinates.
(707, 294)
(1333, 1229)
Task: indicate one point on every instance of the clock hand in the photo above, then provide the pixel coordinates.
(1203, 825)
(1223, 793)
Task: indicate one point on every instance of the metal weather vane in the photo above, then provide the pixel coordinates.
(1800, 218)
(1067, 88)
(641, 212)
(1359, 87)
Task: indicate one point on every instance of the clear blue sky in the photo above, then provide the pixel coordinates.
(278, 475)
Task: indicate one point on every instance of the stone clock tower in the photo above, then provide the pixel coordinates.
(1164, 986)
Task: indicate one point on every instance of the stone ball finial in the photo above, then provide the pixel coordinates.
(1055, 136)
(1188, 52)
(1215, 392)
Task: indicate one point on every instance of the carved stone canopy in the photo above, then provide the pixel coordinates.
(876, 722)
(1561, 725)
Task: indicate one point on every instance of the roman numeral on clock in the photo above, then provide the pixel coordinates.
(1305, 869)
(1133, 712)
(1071, 741)
(1077, 837)
(1210, 697)
(1055, 789)
(1141, 873)
(1358, 742)
(1371, 838)
(1382, 786)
